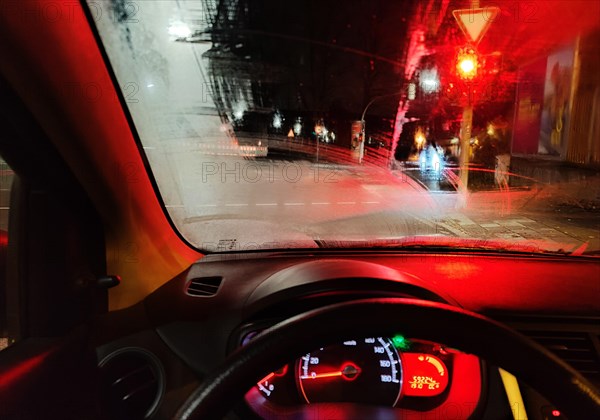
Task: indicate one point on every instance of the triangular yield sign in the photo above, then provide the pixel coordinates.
(475, 22)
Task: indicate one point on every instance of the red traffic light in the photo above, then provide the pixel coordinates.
(467, 63)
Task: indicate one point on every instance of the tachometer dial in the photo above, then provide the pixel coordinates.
(365, 371)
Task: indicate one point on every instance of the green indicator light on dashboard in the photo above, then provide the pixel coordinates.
(400, 342)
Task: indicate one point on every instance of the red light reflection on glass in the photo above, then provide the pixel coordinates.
(9, 376)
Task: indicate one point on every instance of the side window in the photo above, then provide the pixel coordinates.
(6, 182)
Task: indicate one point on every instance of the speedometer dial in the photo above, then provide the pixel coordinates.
(365, 371)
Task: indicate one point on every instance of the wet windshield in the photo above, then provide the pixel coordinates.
(302, 124)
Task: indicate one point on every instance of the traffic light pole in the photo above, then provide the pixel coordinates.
(465, 148)
(473, 31)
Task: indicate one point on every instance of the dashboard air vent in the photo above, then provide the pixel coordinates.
(204, 286)
(132, 382)
(575, 348)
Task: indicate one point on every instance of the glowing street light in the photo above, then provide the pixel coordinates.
(419, 139)
(277, 120)
(239, 109)
(297, 127)
(179, 30)
(429, 80)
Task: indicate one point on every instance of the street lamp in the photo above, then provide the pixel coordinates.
(361, 150)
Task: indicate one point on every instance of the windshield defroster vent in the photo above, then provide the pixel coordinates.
(204, 286)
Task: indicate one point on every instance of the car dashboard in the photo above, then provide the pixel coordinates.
(189, 326)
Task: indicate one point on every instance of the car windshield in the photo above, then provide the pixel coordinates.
(365, 123)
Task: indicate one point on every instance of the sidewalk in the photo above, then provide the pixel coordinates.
(550, 232)
(563, 184)
(559, 210)
(562, 208)
(550, 169)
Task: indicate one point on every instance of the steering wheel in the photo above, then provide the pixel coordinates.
(574, 395)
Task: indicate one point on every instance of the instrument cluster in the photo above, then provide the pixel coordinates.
(397, 373)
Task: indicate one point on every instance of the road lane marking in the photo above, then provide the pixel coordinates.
(489, 225)
(315, 203)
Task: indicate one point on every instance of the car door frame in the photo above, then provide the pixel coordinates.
(55, 254)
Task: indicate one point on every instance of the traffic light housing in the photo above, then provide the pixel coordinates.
(467, 63)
